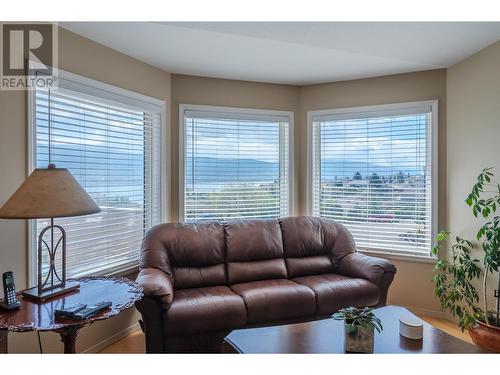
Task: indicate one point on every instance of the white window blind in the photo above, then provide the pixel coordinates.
(236, 165)
(111, 143)
(372, 171)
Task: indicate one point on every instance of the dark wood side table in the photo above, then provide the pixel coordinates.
(34, 316)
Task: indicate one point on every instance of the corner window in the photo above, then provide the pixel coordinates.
(110, 140)
(372, 169)
(235, 163)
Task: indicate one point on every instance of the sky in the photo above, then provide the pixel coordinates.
(388, 141)
(395, 142)
(233, 138)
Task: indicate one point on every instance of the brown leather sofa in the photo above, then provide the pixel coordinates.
(203, 280)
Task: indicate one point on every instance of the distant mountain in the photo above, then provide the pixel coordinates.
(103, 164)
(205, 169)
(332, 168)
(220, 169)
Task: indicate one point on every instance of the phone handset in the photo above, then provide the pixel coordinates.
(10, 301)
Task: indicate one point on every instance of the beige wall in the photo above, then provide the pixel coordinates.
(229, 93)
(473, 133)
(81, 56)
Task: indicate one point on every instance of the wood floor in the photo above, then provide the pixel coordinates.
(449, 327)
(134, 343)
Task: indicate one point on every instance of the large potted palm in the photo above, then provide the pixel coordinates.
(455, 277)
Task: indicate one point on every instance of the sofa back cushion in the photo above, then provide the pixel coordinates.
(209, 254)
(254, 251)
(309, 244)
(193, 254)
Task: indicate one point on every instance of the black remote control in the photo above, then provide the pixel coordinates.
(91, 310)
(68, 312)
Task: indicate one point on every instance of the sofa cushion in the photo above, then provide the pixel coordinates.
(308, 243)
(192, 277)
(204, 309)
(334, 292)
(275, 300)
(307, 236)
(309, 265)
(254, 251)
(195, 252)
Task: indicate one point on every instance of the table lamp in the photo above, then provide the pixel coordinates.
(49, 193)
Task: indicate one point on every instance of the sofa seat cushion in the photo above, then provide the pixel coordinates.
(204, 309)
(275, 300)
(334, 292)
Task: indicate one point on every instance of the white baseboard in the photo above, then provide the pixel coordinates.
(431, 313)
(112, 339)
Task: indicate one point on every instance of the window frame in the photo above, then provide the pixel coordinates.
(111, 91)
(386, 109)
(243, 112)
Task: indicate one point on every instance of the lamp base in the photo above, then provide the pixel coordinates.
(33, 292)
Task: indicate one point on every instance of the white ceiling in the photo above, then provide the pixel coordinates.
(297, 53)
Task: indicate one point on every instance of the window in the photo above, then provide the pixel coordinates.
(372, 169)
(235, 163)
(110, 140)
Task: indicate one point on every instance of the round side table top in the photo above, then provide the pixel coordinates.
(33, 316)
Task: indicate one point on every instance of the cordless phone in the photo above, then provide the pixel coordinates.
(10, 301)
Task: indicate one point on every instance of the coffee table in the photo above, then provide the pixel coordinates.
(327, 336)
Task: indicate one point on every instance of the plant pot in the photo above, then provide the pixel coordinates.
(486, 336)
(358, 339)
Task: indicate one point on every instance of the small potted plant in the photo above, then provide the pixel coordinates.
(359, 328)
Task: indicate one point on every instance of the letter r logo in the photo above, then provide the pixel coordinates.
(22, 43)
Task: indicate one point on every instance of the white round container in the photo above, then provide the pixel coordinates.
(411, 328)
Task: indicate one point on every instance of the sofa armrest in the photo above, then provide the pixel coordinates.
(152, 323)
(156, 284)
(377, 270)
(365, 267)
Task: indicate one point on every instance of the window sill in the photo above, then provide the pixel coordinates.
(126, 272)
(129, 271)
(400, 257)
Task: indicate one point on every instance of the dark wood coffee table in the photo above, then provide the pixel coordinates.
(327, 336)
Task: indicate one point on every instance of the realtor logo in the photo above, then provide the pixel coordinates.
(28, 56)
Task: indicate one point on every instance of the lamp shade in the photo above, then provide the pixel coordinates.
(49, 193)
